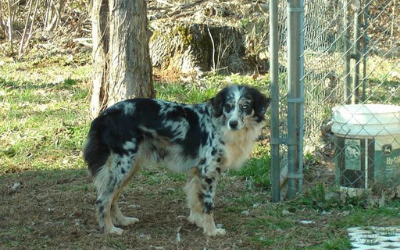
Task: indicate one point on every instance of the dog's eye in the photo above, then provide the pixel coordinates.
(246, 107)
(228, 107)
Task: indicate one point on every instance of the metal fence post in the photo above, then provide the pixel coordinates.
(301, 104)
(274, 77)
(295, 9)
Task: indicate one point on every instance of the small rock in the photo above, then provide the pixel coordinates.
(246, 212)
(156, 248)
(15, 186)
(306, 222)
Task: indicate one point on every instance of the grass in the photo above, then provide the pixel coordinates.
(41, 113)
(44, 121)
(257, 169)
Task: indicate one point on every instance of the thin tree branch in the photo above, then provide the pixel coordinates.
(21, 45)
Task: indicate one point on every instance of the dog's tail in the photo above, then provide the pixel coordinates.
(96, 151)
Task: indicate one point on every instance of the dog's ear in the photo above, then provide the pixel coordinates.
(218, 102)
(260, 104)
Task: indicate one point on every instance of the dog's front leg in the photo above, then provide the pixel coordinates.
(201, 192)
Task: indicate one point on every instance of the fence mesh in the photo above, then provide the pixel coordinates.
(352, 55)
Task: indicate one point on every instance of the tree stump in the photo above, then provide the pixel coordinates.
(191, 48)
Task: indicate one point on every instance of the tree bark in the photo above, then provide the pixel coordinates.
(121, 58)
(100, 33)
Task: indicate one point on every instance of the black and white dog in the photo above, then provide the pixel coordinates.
(203, 139)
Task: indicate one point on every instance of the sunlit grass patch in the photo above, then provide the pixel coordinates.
(42, 125)
(257, 168)
(185, 93)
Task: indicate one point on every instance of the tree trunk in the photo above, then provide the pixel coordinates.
(121, 58)
(53, 14)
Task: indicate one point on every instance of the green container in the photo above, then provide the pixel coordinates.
(367, 145)
(367, 162)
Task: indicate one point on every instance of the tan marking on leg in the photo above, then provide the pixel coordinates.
(108, 224)
(192, 190)
(116, 215)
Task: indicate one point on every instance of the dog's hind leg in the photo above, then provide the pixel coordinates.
(116, 215)
(109, 182)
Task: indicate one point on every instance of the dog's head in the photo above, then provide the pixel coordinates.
(239, 104)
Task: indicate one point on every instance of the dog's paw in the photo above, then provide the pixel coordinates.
(114, 230)
(126, 221)
(215, 232)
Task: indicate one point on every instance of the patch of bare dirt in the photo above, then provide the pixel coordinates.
(55, 210)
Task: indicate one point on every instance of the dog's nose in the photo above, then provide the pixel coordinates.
(233, 124)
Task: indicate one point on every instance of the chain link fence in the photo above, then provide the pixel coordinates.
(352, 61)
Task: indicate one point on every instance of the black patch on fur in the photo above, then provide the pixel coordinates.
(95, 152)
(208, 207)
(218, 102)
(194, 136)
